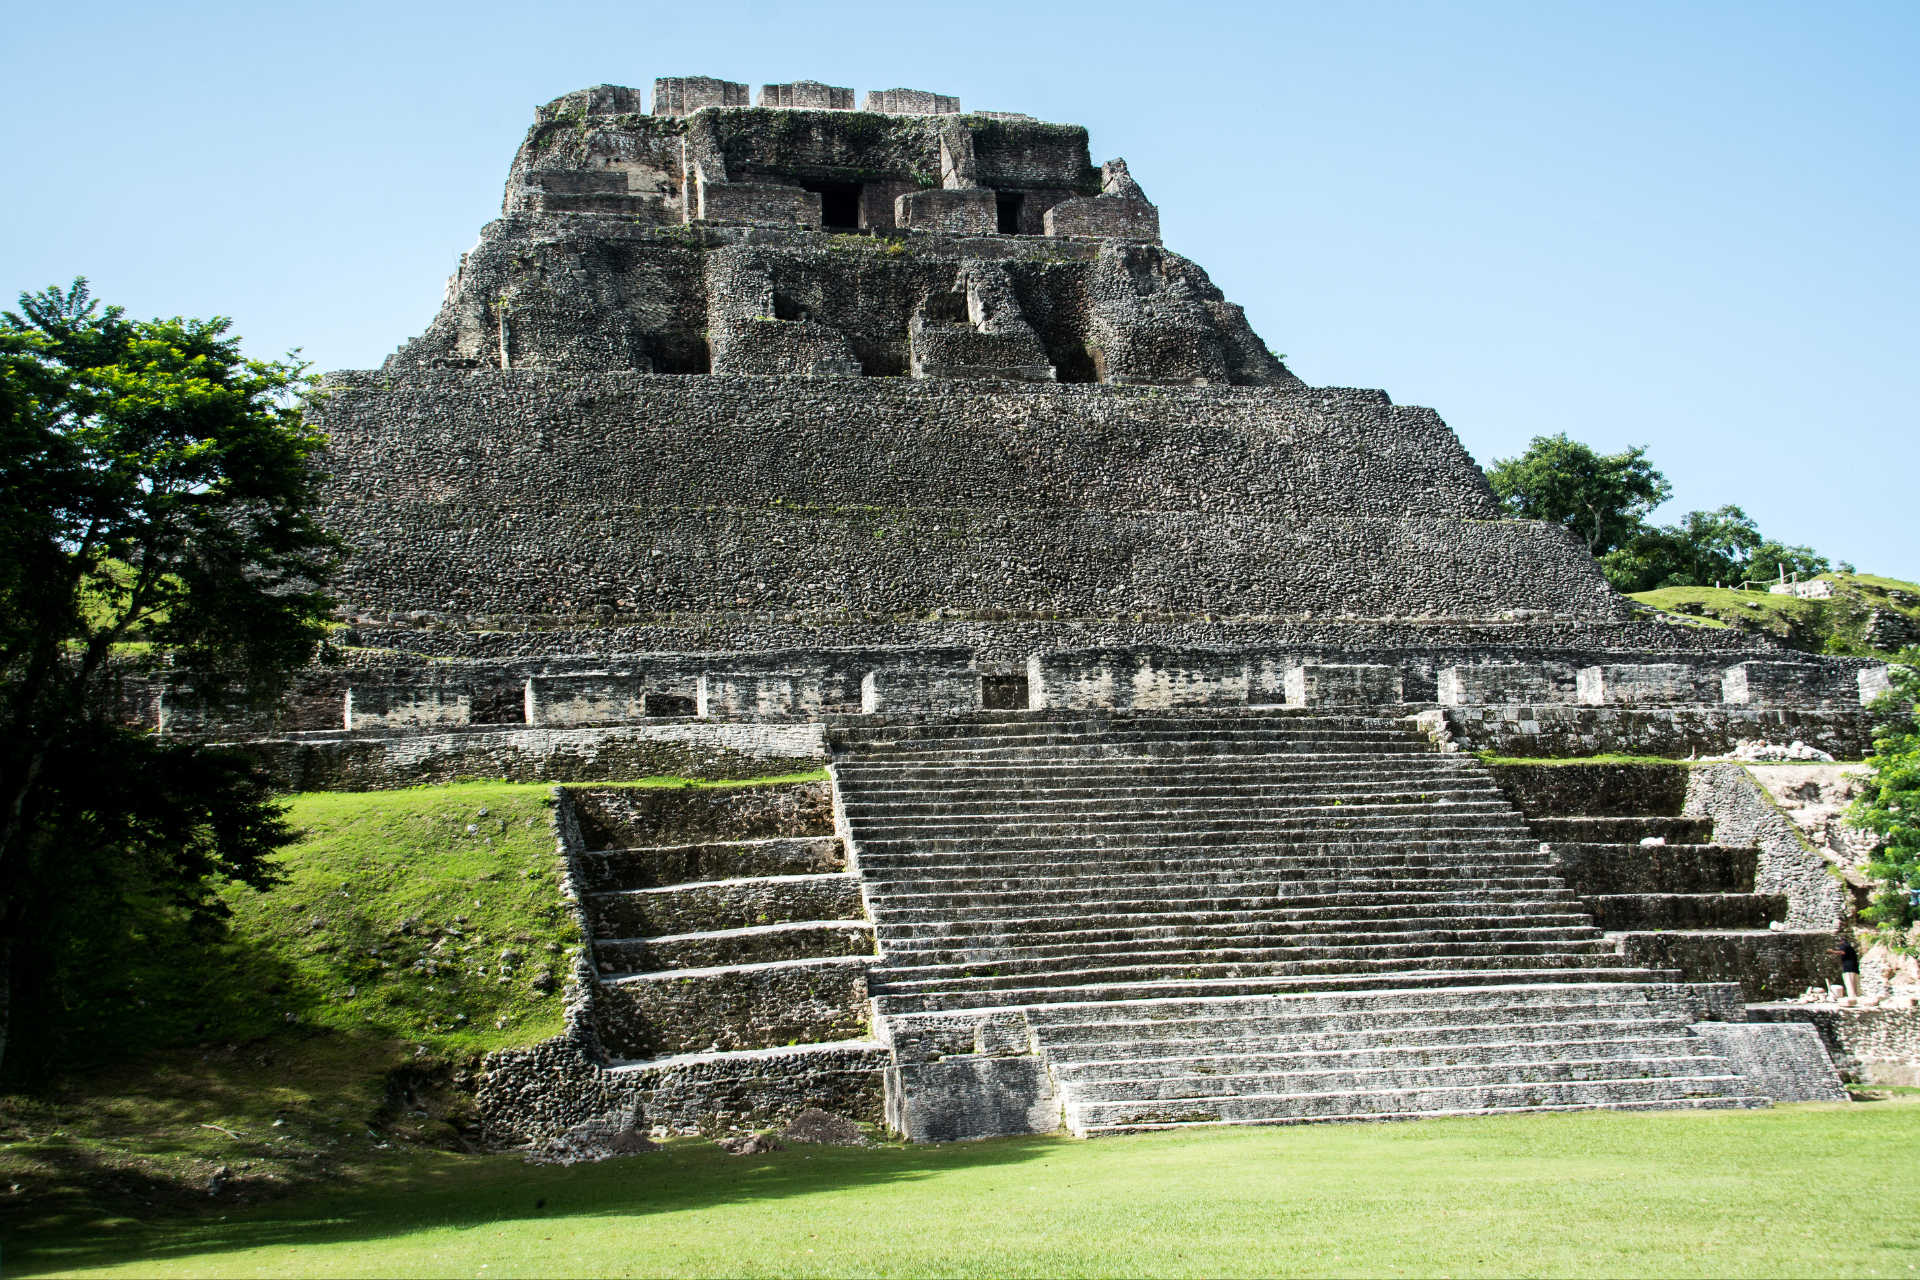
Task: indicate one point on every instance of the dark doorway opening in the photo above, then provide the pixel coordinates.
(839, 204)
(1009, 209)
(1003, 693)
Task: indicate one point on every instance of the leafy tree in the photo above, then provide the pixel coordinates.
(1601, 497)
(154, 495)
(1889, 801)
(1772, 560)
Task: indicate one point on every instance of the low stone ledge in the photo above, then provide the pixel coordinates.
(725, 904)
(654, 817)
(1783, 1061)
(1873, 1046)
(1558, 731)
(760, 944)
(1767, 964)
(546, 1089)
(517, 754)
(759, 1088)
(607, 870)
(745, 1007)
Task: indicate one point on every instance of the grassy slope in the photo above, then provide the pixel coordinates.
(1798, 622)
(1779, 1193)
(297, 1019)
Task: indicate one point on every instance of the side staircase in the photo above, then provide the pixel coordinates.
(1157, 920)
(724, 925)
(1668, 896)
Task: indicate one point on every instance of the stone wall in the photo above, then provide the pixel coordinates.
(1558, 731)
(1575, 790)
(1743, 814)
(1876, 1046)
(689, 749)
(536, 495)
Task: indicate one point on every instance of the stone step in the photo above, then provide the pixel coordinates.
(1769, 964)
(756, 944)
(1066, 739)
(724, 904)
(1592, 869)
(1716, 1091)
(610, 870)
(733, 1007)
(987, 774)
(1160, 799)
(1251, 836)
(1329, 964)
(1462, 1047)
(893, 1003)
(1175, 879)
(806, 1060)
(1138, 1046)
(1384, 1005)
(1620, 912)
(903, 952)
(1104, 722)
(1622, 830)
(910, 972)
(1665, 1058)
(1483, 900)
(1122, 808)
(1432, 853)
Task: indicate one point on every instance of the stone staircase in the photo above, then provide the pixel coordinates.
(1687, 904)
(722, 921)
(1259, 918)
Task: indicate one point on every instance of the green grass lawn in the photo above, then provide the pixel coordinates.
(1814, 1190)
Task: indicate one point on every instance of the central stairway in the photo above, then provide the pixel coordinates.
(1261, 918)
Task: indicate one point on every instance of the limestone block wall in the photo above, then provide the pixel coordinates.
(1744, 814)
(534, 495)
(1674, 732)
(613, 753)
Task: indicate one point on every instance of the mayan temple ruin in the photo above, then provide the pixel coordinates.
(770, 431)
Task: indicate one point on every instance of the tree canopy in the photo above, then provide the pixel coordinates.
(155, 488)
(1889, 800)
(1601, 497)
(1606, 499)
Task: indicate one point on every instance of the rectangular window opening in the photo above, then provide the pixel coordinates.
(839, 204)
(1008, 205)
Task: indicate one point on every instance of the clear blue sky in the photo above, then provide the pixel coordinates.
(1684, 225)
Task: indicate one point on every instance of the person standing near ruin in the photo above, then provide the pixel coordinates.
(1849, 964)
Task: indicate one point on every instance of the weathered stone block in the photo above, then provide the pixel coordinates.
(807, 95)
(406, 707)
(589, 699)
(757, 693)
(963, 1098)
(763, 204)
(1333, 684)
(1104, 218)
(1652, 684)
(965, 212)
(910, 102)
(1784, 1061)
(1790, 684)
(750, 1007)
(1496, 682)
(684, 95)
(1143, 678)
(910, 691)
